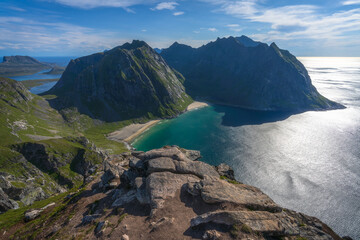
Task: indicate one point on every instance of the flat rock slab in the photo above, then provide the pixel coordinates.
(259, 221)
(184, 166)
(160, 185)
(169, 152)
(161, 164)
(221, 191)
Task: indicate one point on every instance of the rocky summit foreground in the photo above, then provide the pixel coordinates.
(168, 194)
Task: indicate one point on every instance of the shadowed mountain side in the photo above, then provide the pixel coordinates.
(235, 117)
(126, 82)
(248, 74)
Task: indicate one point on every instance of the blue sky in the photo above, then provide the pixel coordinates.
(81, 27)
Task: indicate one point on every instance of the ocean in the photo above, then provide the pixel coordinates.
(60, 61)
(308, 162)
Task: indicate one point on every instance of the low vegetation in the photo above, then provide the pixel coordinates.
(229, 180)
(33, 83)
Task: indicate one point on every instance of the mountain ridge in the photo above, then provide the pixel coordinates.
(260, 77)
(125, 82)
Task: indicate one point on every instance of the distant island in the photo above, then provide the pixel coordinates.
(21, 65)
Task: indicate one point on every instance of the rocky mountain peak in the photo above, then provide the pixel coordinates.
(247, 42)
(135, 44)
(125, 82)
(244, 73)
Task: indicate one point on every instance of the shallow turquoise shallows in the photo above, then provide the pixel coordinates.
(309, 162)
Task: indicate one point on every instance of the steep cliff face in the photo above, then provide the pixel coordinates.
(14, 93)
(245, 73)
(126, 82)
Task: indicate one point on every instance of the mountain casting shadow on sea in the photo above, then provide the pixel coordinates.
(235, 117)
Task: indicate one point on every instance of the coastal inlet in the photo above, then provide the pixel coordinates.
(308, 162)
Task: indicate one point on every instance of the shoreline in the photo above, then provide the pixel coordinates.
(195, 105)
(37, 82)
(129, 133)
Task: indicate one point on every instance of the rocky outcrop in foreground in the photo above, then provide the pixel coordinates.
(168, 194)
(42, 169)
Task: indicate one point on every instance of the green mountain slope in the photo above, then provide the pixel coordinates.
(244, 73)
(127, 82)
(40, 155)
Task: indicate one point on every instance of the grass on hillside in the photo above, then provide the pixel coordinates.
(98, 135)
(14, 216)
(33, 83)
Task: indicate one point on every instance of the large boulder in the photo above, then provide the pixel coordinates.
(6, 203)
(161, 185)
(219, 191)
(226, 171)
(258, 221)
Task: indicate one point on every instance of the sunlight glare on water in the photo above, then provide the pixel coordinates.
(308, 162)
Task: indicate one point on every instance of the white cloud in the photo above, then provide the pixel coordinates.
(88, 4)
(165, 5)
(235, 27)
(294, 22)
(178, 13)
(16, 9)
(143, 30)
(351, 2)
(212, 29)
(24, 34)
(239, 8)
(196, 32)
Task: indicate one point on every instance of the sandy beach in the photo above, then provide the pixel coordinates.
(196, 105)
(129, 133)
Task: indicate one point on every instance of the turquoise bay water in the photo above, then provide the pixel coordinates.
(308, 162)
